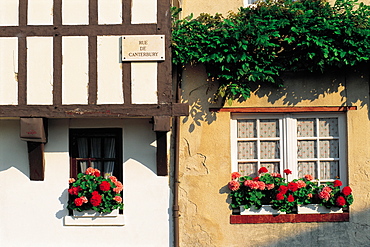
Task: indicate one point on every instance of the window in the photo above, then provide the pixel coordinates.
(101, 149)
(312, 144)
(249, 3)
(97, 148)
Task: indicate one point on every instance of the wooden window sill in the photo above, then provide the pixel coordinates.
(289, 218)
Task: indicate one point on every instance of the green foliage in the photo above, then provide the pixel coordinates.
(272, 189)
(256, 45)
(81, 193)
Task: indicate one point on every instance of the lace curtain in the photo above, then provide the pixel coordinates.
(99, 152)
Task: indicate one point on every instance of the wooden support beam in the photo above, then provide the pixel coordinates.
(162, 160)
(162, 123)
(36, 160)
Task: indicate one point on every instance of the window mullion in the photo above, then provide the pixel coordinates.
(318, 163)
(291, 147)
(258, 143)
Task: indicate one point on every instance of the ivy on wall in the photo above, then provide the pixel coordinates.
(258, 44)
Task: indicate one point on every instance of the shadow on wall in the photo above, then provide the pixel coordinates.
(198, 91)
(13, 152)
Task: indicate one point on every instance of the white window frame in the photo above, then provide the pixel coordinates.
(289, 140)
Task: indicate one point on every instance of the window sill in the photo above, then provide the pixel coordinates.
(289, 218)
(95, 219)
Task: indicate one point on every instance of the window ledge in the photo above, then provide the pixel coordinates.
(289, 218)
(86, 218)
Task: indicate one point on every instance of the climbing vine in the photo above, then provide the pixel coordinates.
(260, 43)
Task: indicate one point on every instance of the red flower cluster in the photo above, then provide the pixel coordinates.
(337, 183)
(292, 186)
(287, 171)
(95, 199)
(104, 186)
(233, 185)
(74, 190)
(92, 171)
(280, 196)
(283, 189)
(235, 175)
(262, 170)
(290, 198)
(346, 191)
(340, 201)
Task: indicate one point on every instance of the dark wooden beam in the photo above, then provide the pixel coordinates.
(78, 30)
(161, 123)
(89, 111)
(162, 160)
(36, 160)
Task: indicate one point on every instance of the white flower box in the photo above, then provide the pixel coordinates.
(93, 218)
(317, 209)
(93, 213)
(264, 210)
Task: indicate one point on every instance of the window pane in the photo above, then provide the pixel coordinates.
(95, 148)
(328, 127)
(306, 127)
(82, 148)
(82, 165)
(248, 169)
(270, 150)
(306, 149)
(329, 149)
(97, 165)
(269, 128)
(247, 129)
(329, 170)
(307, 168)
(272, 166)
(247, 150)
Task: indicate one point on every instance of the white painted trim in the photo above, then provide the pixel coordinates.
(94, 221)
(289, 138)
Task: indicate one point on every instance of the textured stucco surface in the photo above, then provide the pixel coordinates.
(205, 163)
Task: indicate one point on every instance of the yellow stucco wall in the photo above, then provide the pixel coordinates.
(205, 159)
(205, 163)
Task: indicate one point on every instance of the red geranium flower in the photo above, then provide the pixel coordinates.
(340, 201)
(233, 185)
(95, 199)
(283, 189)
(346, 191)
(290, 198)
(104, 186)
(293, 186)
(337, 183)
(78, 201)
(235, 175)
(256, 179)
(74, 190)
(287, 171)
(280, 196)
(263, 170)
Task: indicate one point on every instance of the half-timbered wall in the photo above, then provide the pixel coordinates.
(62, 58)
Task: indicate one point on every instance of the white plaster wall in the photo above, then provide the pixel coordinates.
(75, 70)
(8, 71)
(35, 209)
(9, 12)
(109, 12)
(144, 82)
(40, 12)
(39, 70)
(144, 11)
(75, 12)
(110, 89)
